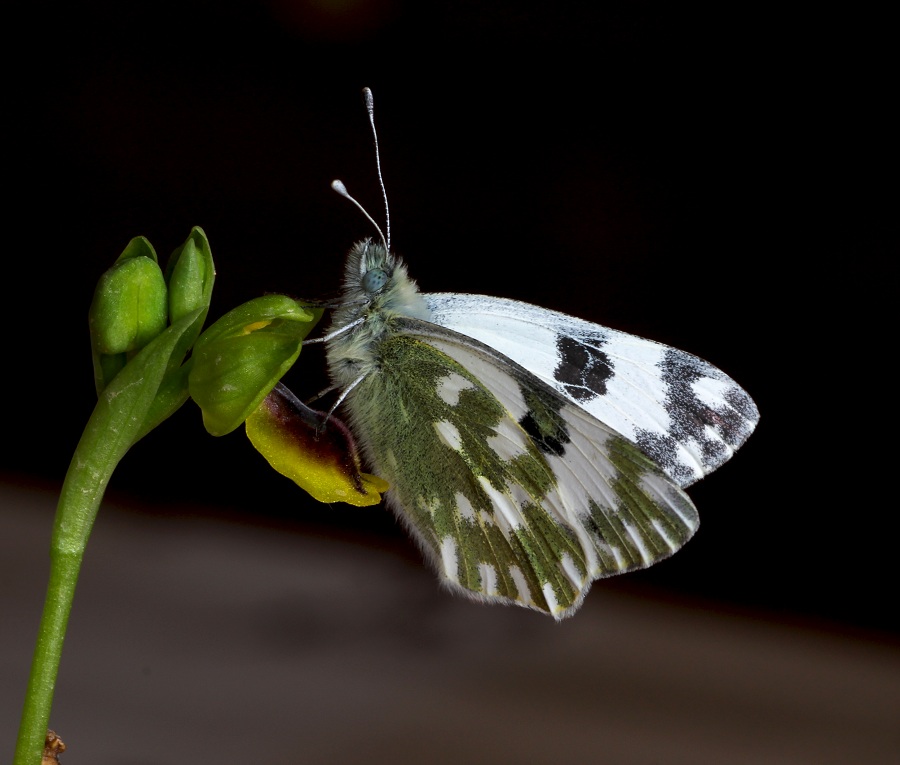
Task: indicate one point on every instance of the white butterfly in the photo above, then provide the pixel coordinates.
(528, 452)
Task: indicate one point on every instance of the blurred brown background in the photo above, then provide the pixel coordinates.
(692, 178)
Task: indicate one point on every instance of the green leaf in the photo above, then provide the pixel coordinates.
(122, 407)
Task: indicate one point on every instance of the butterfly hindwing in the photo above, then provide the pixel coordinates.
(514, 492)
(684, 413)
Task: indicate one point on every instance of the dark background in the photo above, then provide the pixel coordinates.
(710, 181)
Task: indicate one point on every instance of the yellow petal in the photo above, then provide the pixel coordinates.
(315, 451)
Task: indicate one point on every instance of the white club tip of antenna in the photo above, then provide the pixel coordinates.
(341, 189)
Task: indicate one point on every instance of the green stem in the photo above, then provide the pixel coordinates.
(82, 491)
(118, 420)
(45, 665)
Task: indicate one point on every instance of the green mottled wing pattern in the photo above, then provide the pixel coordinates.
(534, 497)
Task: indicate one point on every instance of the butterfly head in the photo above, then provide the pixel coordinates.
(377, 280)
(374, 265)
(377, 292)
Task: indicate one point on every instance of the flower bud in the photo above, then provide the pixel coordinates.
(128, 310)
(129, 306)
(190, 274)
(238, 360)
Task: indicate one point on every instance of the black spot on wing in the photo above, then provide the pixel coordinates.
(547, 442)
(543, 422)
(662, 449)
(680, 372)
(690, 416)
(739, 400)
(583, 368)
(691, 419)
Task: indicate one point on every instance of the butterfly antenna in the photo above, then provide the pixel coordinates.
(370, 108)
(341, 189)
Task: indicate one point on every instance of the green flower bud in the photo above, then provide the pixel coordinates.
(129, 309)
(190, 274)
(241, 357)
(129, 306)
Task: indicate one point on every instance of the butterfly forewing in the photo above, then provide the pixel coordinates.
(685, 414)
(513, 491)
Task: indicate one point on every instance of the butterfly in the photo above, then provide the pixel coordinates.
(528, 452)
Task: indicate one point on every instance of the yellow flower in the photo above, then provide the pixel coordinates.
(314, 450)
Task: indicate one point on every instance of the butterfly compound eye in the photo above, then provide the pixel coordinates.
(374, 280)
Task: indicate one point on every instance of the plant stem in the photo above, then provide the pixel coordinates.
(45, 665)
(119, 419)
(79, 501)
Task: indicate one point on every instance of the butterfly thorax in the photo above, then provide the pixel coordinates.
(378, 290)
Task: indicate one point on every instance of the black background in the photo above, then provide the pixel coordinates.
(715, 182)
